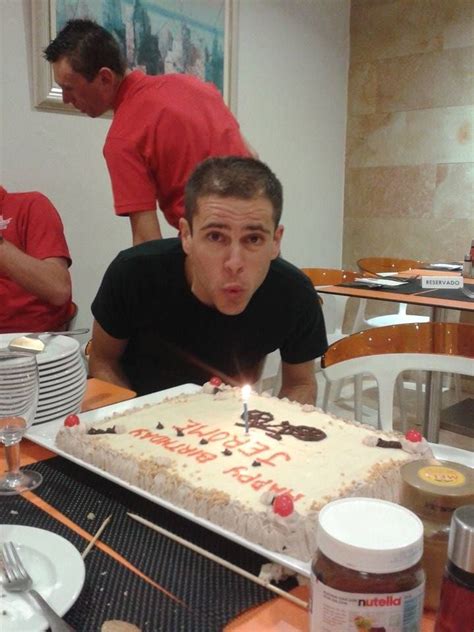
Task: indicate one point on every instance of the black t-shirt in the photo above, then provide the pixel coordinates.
(175, 339)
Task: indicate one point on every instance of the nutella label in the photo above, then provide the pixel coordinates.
(442, 476)
(333, 610)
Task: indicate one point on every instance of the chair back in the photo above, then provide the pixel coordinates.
(385, 352)
(373, 265)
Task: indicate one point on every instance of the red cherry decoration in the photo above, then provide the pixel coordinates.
(71, 420)
(413, 435)
(283, 505)
(215, 381)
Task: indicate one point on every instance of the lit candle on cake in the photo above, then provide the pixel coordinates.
(245, 398)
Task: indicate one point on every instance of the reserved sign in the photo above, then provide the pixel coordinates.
(442, 282)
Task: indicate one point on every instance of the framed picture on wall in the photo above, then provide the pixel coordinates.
(158, 36)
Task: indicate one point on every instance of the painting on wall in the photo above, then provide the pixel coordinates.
(156, 36)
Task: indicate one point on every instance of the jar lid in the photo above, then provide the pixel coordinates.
(461, 539)
(369, 535)
(434, 488)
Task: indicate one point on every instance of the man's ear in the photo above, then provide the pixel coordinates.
(107, 77)
(277, 241)
(185, 234)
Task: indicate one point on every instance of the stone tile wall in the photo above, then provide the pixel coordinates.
(409, 189)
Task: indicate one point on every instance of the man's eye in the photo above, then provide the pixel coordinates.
(214, 237)
(254, 239)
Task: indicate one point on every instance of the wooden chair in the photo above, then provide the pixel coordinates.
(387, 351)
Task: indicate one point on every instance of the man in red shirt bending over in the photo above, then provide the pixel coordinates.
(163, 126)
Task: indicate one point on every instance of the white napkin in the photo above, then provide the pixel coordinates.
(383, 282)
(446, 266)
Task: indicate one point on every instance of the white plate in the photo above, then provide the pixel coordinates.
(56, 347)
(60, 411)
(47, 408)
(57, 570)
(57, 370)
(44, 434)
(66, 392)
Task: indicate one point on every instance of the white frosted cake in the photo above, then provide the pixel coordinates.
(267, 485)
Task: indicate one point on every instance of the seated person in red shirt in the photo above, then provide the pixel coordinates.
(35, 285)
(163, 126)
(216, 301)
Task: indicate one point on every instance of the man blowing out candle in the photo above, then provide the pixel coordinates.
(217, 300)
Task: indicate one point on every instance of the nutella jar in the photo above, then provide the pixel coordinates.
(367, 572)
(433, 490)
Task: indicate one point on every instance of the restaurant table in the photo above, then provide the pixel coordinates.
(412, 293)
(136, 575)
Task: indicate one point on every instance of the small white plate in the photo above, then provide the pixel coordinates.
(57, 347)
(58, 574)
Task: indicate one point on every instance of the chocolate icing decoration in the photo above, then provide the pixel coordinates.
(227, 452)
(99, 431)
(261, 419)
(179, 432)
(159, 426)
(256, 464)
(383, 443)
(216, 390)
(204, 442)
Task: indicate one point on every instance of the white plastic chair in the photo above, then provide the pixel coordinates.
(386, 352)
(384, 265)
(334, 310)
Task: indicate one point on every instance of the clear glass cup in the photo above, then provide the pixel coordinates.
(19, 388)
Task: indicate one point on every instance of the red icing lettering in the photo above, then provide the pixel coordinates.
(241, 473)
(142, 433)
(256, 448)
(235, 442)
(205, 456)
(269, 460)
(259, 484)
(188, 450)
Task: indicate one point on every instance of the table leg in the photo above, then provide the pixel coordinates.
(432, 407)
(431, 421)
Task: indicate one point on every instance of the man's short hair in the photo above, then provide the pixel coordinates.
(88, 47)
(233, 176)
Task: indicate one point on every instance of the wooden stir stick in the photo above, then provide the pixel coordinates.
(219, 560)
(96, 537)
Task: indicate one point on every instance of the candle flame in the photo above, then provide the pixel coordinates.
(246, 392)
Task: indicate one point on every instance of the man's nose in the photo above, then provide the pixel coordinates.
(234, 259)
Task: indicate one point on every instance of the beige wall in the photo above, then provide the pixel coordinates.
(410, 153)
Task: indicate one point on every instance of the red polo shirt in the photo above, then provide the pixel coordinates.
(35, 228)
(163, 127)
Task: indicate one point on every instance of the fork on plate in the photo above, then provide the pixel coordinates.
(17, 580)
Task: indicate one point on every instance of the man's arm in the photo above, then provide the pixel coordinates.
(145, 226)
(104, 360)
(298, 382)
(48, 279)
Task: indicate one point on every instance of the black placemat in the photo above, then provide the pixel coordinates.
(412, 287)
(212, 594)
(451, 294)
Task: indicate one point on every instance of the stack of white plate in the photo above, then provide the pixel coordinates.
(62, 377)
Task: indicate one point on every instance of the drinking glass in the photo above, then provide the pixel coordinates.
(19, 387)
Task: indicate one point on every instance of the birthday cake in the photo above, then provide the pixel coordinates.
(267, 484)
